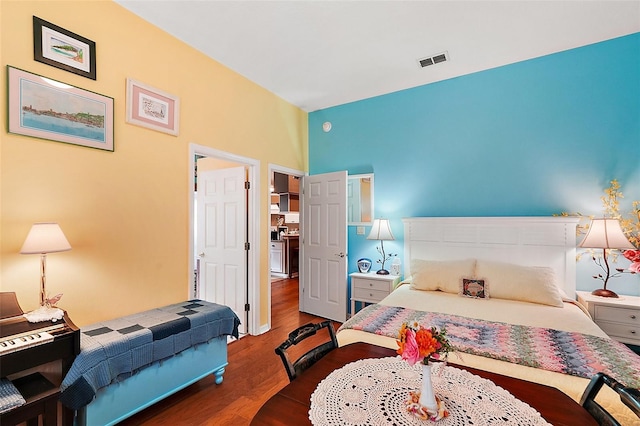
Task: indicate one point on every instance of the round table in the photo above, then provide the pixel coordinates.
(374, 391)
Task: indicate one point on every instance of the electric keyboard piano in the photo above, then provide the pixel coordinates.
(26, 346)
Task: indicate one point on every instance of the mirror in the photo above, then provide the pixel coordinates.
(360, 199)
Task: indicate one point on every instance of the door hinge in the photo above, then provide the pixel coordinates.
(247, 307)
(195, 282)
(247, 246)
(247, 185)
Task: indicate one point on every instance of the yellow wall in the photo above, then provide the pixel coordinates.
(125, 212)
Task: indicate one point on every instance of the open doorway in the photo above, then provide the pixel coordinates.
(224, 254)
(285, 227)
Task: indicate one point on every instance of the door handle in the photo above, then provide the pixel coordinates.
(341, 254)
(201, 254)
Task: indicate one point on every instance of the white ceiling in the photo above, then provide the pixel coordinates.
(321, 53)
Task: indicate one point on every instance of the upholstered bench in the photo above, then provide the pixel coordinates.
(129, 363)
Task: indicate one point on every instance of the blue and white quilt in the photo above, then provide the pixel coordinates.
(113, 350)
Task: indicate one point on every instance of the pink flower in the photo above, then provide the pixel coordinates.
(411, 352)
(634, 268)
(632, 255)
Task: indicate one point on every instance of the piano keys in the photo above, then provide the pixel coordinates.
(58, 340)
(25, 340)
(25, 346)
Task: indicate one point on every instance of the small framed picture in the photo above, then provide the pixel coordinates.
(474, 288)
(364, 265)
(63, 49)
(152, 108)
(48, 109)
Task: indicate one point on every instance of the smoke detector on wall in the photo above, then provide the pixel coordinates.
(433, 59)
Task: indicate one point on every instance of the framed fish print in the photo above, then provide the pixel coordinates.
(48, 109)
(63, 49)
(152, 108)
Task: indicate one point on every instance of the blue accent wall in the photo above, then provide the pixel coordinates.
(532, 138)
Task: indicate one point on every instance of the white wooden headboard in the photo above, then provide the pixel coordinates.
(528, 241)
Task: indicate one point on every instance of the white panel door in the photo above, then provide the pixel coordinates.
(324, 264)
(221, 236)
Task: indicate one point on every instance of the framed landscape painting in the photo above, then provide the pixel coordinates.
(63, 49)
(49, 109)
(152, 108)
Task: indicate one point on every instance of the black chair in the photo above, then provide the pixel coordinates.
(311, 356)
(629, 396)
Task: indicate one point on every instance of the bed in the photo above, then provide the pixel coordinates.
(129, 363)
(497, 283)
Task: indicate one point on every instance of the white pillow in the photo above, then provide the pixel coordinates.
(535, 284)
(442, 275)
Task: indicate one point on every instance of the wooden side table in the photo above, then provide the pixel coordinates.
(618, 317)
(371, 287)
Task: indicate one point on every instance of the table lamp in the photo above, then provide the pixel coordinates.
(605, 233)
(381, 230)
(45, 238)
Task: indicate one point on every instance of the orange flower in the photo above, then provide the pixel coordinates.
(427, 344)
(419, 344)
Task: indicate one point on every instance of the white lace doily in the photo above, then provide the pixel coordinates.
(44, 313)
(373, 391)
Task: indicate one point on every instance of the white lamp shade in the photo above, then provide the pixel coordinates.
(45, 238)
(607, 234)
(381, 230)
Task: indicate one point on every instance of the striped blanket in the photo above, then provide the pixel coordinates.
(114, 350)
(565, 352)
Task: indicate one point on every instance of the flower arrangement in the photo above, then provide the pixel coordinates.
(417, 343)
(634, 257)
(629, 222)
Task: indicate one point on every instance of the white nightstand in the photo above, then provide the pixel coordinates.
(619, 318)
(371, 287)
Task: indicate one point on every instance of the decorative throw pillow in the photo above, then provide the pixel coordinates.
(442, 275)
(474, 288)
(535, 284)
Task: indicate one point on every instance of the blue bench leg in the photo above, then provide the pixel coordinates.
(218, 373)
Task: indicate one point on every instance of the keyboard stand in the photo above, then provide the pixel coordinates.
(36, 357)
(42, 401)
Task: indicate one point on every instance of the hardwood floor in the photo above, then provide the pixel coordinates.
(253, 375)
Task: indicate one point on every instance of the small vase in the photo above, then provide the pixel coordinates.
(427, 397)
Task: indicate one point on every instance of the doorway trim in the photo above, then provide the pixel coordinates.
(292, 172)
(253, 233)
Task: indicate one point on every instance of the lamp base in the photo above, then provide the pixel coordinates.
(44, 313)
(382, 272)
(603, 292)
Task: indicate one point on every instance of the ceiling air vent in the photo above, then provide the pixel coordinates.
(435, 59)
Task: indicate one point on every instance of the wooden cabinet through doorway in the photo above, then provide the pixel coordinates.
(277, 257)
